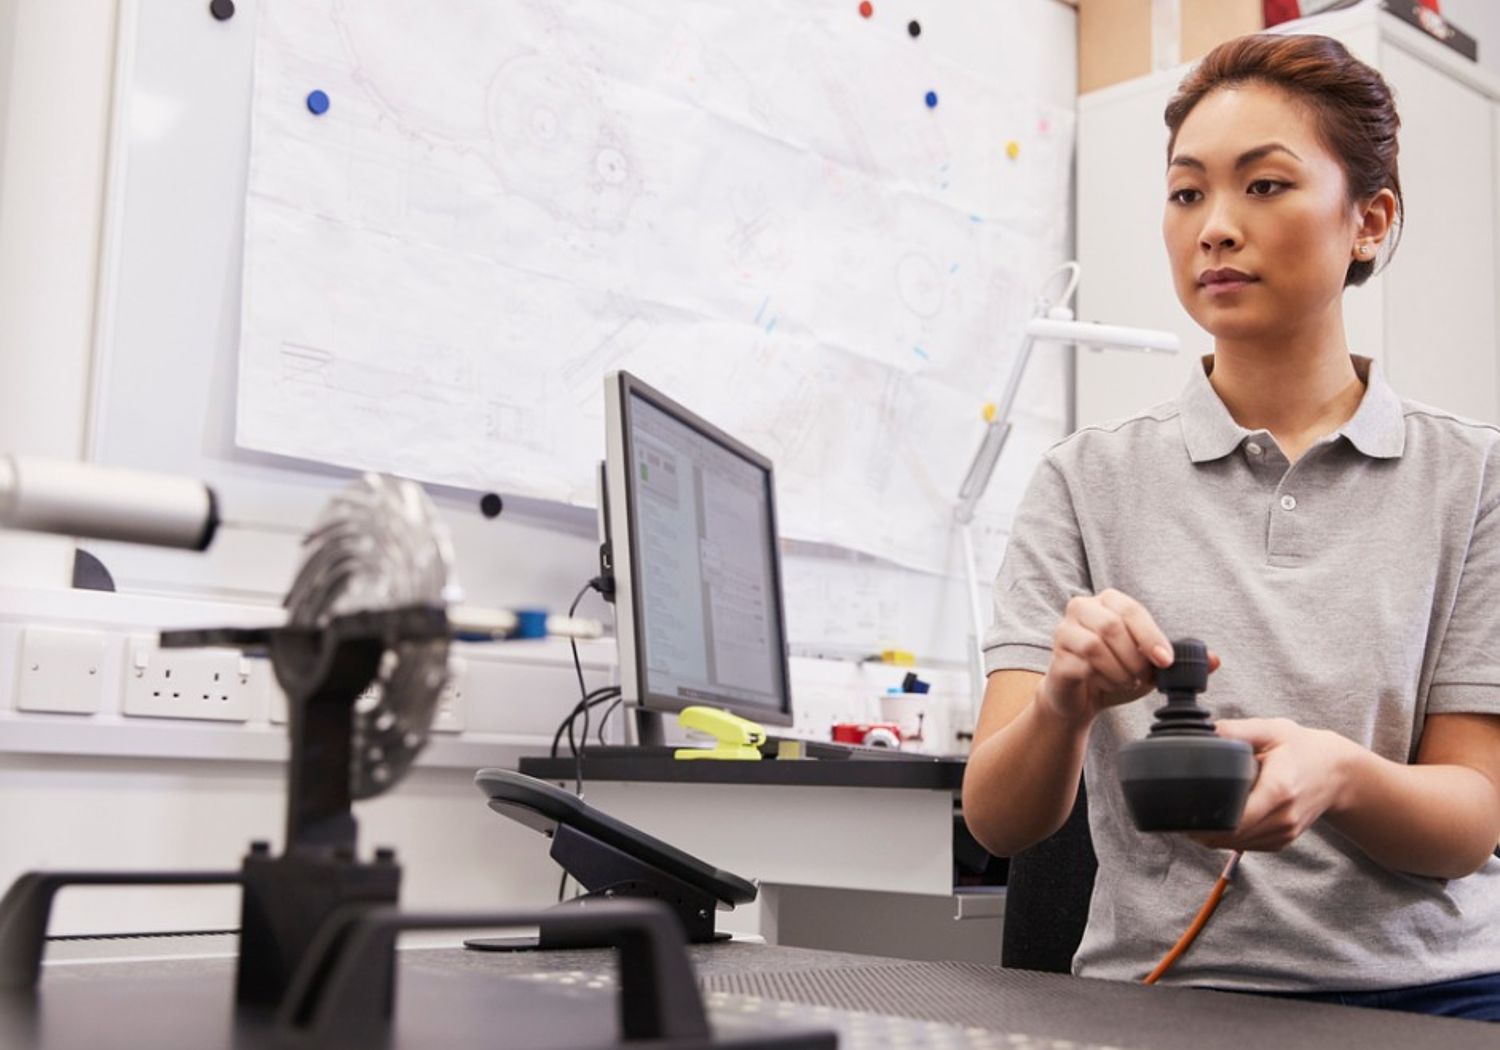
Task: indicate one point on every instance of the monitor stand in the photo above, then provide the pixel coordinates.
(649, 727)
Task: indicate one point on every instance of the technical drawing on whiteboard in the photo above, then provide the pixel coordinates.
(749, 206)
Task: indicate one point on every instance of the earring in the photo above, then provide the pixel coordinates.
(1365, 249)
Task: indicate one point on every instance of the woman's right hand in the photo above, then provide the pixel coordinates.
(1105, 652)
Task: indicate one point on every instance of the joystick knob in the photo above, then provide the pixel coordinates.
(1183, 776)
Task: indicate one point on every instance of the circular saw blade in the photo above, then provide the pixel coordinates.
(378, 545)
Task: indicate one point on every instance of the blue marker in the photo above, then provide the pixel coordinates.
(317, 103)
(932, 100)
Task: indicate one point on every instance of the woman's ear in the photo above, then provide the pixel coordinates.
(1375, 217)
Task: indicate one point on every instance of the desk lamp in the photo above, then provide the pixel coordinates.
(1051, 322)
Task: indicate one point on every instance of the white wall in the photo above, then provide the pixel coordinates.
(57, 809)
(53, 134)
(60, 397)
(1481, 20)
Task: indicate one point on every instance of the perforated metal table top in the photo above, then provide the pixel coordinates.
(870, 1001)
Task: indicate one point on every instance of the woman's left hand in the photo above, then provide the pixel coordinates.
(1301, 778)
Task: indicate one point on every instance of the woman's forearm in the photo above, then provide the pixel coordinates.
(1021, 783)
(1435, 820)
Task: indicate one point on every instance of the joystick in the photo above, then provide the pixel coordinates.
(1183, 776)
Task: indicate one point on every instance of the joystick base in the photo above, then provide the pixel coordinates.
(1186, 783)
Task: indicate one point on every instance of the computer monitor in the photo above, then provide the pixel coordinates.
(690, 524)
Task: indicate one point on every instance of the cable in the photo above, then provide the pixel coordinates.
(598, 696)
(604, 585)
(583, 741)
(587, 701)
(605, 718)
(573, 642)
(1201, 920)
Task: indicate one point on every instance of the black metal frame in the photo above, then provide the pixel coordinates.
(284, 900)
(319, 926)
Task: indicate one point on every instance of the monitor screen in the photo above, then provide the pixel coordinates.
(698, 580)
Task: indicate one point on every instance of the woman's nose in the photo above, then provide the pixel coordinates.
(1219, 231)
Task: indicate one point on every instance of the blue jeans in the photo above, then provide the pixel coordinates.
(1475, 998)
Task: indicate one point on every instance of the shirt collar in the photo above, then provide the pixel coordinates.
(1376, 429)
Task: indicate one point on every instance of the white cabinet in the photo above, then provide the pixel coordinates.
(1430, 318)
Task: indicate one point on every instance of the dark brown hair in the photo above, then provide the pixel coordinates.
(1351, 104)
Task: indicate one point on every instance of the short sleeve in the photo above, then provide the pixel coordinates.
(1467, 676)
(1044, 566)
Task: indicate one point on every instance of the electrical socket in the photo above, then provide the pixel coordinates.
(222, 685)
(448, 718)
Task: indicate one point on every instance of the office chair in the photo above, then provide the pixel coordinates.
(1047, 897)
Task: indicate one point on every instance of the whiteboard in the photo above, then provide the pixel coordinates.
(167, 345)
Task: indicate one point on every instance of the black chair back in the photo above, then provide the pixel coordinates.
(1047, 897)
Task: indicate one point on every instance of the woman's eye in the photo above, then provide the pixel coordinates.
(1183, 196)
(1265, 187)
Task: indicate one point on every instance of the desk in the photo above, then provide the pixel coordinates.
(852, 854)
(475, 1000)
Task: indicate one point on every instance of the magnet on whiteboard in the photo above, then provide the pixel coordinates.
(317, 102)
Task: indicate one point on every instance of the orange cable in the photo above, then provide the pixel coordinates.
(1201, 920)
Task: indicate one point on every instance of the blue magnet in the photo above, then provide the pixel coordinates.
(531, 623)
(932, 100)
(317, 102)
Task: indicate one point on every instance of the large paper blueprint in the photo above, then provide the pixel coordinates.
(751, 206)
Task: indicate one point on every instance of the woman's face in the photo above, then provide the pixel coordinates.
(1258, 224)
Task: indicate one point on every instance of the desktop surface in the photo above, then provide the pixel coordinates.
(658, 765)
(452, 997)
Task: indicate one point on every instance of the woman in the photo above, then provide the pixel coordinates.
(1336, 544)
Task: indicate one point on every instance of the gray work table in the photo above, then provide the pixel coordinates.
(451, 997)
(853, 854)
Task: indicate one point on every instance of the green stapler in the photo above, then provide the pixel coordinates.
(737, 739)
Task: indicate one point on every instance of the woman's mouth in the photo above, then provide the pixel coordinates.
(1224, 281)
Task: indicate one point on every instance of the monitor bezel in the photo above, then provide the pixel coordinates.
(620, 389)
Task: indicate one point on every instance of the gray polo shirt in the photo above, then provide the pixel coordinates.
(1356, 590)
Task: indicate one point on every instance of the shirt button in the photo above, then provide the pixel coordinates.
(1253, 449)
(1288, 503)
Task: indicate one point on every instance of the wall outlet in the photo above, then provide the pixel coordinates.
(222, 685)
(448, 718)
(61, 670)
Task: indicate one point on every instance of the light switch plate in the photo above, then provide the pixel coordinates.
(61, 671)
